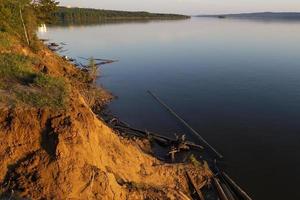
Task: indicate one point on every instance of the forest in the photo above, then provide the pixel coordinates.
(64, 15)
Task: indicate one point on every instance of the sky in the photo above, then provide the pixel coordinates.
(190, 7)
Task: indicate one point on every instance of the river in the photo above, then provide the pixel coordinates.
(237, 82)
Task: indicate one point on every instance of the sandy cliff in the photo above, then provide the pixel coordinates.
(71, 154)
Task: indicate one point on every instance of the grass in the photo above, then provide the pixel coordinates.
(16, 67)
(21, 84)
(194, 161)
(5, 41)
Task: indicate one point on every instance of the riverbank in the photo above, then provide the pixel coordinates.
(62, 150)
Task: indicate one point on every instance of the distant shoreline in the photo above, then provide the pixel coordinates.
(111, 21)
(259, 15)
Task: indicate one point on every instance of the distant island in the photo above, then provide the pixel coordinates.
(65, 15)
(260, 15)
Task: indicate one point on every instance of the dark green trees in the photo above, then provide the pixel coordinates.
(88, 16)
(44, 10)
(21, 17)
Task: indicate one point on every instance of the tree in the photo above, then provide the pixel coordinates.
(44, 10)
(10, 17)
(21, 17)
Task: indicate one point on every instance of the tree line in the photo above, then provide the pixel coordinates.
(64, 15)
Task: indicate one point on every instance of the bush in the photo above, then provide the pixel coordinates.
(93, 69)
(194, 161)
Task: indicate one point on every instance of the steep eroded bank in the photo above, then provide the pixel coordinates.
(68, 153)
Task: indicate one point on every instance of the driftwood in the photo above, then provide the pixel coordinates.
(185, 124)
(198, 191)
(97, 65)
(44, 40)
(64, 50)
(179, 145)
(173, 152)
(183, 196)
(53, 44)
(130, 132)
(99, 59)
(68, 59)
(152, 134)
(220, 190)
(55, 48)
(227, 191)
(236, 187)
(103, 61)
(155, 136)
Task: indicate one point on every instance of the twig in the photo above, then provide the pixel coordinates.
(99, 59)
(240, 190)
(220, 190)
(183, 195)
(92, 182)
(199, 193)
(11, 195)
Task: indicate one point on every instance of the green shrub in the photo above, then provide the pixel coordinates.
(194, 161)
(93, 69)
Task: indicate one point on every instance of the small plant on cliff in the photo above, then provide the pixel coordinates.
(194, 161)
(93, 69)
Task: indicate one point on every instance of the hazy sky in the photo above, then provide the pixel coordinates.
(190, 6)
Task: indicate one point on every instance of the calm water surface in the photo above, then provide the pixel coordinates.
(235, 81)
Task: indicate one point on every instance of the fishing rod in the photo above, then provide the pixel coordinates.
(185, 124)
